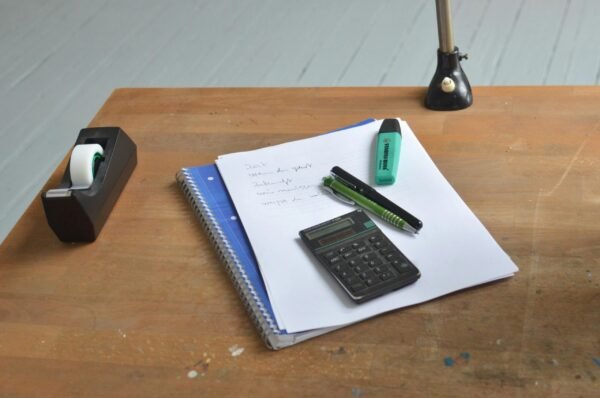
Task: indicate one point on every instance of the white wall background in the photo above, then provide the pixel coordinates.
(60, 59)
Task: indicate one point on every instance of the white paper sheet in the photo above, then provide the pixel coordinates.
(277, 192)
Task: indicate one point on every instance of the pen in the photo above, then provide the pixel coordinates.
(371, 194)
(355, 197)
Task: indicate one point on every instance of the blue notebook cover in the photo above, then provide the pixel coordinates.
(211, 202)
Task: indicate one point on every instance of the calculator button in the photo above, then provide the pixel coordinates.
(343, 268)
(357, 287)
(361, 249)
(374, 263)
(329, 255)
(335, 260)
(371, 281)
(353, 263)
(351, 280)
(399, 263)
(366, 275)
(359, 268)
(385, 276)
(343, 250)
(385, 250)
(368, 256)
(347, 255)
(378, 270)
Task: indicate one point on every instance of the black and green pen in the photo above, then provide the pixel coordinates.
(387, 155)
(357, 192)
(352, 196)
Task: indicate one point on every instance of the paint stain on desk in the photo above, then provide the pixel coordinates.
(236, 350)
(356, 392)
(200, 368)
(596, 361)
(336, 352)
(461, 359)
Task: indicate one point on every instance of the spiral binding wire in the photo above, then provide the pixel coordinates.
(262, 319)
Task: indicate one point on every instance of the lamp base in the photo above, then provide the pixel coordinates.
(449, 89)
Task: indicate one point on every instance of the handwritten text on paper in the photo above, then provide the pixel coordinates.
(281, 185)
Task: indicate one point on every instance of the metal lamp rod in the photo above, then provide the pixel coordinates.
(444, 20)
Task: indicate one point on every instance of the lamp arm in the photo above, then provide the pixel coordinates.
(444, 23)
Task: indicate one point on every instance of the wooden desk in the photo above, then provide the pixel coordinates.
(131, 314)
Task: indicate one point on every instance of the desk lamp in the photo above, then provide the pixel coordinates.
(449, 89)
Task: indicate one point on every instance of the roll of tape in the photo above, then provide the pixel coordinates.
(82, 163)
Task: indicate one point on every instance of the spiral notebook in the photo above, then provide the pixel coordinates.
(208, 196)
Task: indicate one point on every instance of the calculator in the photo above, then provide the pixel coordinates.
(356, 253)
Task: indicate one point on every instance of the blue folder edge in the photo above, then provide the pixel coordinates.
(208, 181)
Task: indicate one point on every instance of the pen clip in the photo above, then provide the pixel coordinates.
(343, 181)
(339, 197)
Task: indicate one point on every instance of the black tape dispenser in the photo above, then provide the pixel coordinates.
(101, 163)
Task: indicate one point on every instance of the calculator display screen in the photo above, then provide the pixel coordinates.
(337, 236)
(329, 229)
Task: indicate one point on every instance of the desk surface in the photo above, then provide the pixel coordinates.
(133, 313)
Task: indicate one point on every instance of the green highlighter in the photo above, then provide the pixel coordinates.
(387, 153)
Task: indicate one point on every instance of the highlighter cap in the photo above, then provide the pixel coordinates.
(390, 126)
(387, 154)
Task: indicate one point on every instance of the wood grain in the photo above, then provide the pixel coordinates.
(134, 312)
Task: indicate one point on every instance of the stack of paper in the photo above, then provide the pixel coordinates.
(277, 192)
